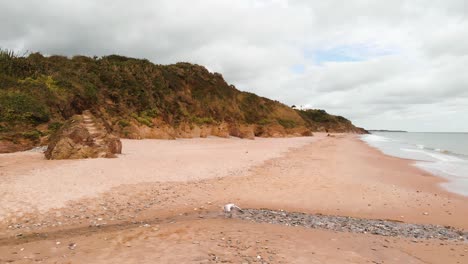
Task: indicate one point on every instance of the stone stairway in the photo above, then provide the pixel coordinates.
(83, 137)
(92, 128)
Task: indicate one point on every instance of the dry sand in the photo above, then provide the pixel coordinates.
(29, 183)
(178, 187)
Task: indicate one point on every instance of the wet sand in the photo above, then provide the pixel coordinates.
(160, 202)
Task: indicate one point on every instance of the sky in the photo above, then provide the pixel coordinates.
(382, 64)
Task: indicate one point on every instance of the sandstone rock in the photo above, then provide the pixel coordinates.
(221, 130)
(83, 136)
(271, 130)
(161, 130)
(242, 131)
(247, 131)
(114, 144)
(8, 146)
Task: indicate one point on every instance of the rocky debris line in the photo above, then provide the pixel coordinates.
(353, 225)
(83, 136)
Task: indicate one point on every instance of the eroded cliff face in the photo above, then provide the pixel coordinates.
(138, 99)
(225, 130)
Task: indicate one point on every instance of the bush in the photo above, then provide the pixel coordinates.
(123, 123)
(287, 123)
(144, 120)
(317, 115)
(265, 121)
(3, 129)
(202, 120)
(18, 106)
(8, 61)
(153, 112)
(32, 135)
(91, 93)
(54, 126)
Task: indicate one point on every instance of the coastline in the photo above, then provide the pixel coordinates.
(339, 175)
(429, 153)
(414, 163)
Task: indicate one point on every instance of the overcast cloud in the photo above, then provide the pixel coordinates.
(383, 64)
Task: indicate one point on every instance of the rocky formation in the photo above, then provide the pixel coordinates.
(186, 130)
(83, 136)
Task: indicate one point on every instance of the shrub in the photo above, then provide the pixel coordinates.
(18, 106)
(287, 123)
(123, 123)
(202, 120)
(91, 93)
(54, 126)
(265, 121)
(153, 112)
(32, 135)
(144, 120)
(317, 115)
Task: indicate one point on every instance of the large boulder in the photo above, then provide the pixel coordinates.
(83, 136)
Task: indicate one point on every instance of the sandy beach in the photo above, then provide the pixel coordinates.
(160, 202)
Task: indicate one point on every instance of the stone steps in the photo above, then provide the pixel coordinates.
(90, 125)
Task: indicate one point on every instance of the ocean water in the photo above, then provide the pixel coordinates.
(442, 154)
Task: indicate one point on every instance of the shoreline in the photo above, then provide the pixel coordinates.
(339, 175)
(447, 165)
(439, 180)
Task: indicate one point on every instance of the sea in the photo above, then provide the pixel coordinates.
(442, 154)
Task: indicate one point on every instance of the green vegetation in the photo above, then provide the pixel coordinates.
(287, 123)
(143, 119)
(39, 93)
(32, 135)
(54, 126)
(203, 120)
(18, 106)
(123, 123)
(265, 121)
(318, 119)
(317, 115)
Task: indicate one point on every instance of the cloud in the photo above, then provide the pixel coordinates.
(384, 64)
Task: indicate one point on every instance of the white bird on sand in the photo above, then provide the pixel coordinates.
(230, 208)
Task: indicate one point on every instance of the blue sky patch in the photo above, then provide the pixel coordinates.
(298, 68)
(345, 53)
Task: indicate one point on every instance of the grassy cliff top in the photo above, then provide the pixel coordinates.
(38, 93)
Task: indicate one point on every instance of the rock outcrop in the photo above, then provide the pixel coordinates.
(83, 136)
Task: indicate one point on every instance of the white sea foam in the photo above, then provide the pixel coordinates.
(437, 156)
(451, 169)
(375, 138)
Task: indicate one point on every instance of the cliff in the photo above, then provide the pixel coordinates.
(137, 99)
